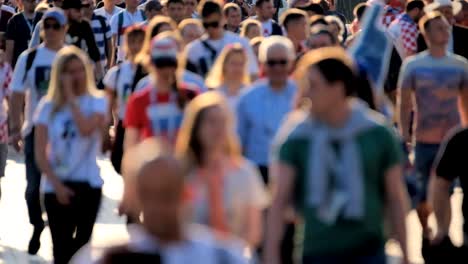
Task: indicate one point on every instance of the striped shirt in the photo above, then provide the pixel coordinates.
(101, 35)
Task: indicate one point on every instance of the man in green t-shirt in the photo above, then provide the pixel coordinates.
(340, 166)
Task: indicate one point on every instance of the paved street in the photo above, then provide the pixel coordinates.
(15, 229)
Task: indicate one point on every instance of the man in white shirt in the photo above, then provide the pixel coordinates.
(202, 53)
(265, 12)
(31, 78)
(108, 10)
(119, 22)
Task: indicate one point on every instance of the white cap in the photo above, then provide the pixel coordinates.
(456, 6)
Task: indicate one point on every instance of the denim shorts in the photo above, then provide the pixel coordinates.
(424, 157)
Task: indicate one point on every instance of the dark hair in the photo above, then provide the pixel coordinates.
(291, 15)
(229, 7)
(334, 70)
(319, 30)
(170, 2)
(153, 5)
(259, 3)
(209, 7)
(359, 10)
(318, 20)
(411, 5)
(316, 8)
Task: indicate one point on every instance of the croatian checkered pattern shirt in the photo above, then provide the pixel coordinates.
(390, 15)
(408, 34)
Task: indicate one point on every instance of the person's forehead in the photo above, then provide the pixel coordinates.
(277, 52)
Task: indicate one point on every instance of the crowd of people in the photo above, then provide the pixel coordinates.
(245, 131)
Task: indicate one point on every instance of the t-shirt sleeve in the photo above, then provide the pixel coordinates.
(405, 79)
(114, 24)
(42, 113)
(133, 114)
(36, 36)
(393, 153)
(110, 78)
(17, 83)
(447, 164)
(100, 105)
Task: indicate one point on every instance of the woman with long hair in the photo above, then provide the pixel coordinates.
(227, 190)
(229, 74)
(69, 123)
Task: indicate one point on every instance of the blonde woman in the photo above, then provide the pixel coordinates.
(229, 74)
(69, 122)
(251, 28)
(227, 190)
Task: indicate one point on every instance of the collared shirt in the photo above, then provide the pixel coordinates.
(260, 111)
(390, 15)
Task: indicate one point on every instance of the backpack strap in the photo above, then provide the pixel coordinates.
(29, 61)
(204, 64)
(120, 21)
(139, 74)
(142, 12)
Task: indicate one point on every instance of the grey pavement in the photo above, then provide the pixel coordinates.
(110, 229)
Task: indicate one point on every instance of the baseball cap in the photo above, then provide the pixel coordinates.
(456, 6)
(56, 14)
(72, 4)
(164, 50)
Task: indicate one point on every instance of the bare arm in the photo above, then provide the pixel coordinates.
(253, 227)
(282, 191)
(9, 50)
(87, 125)
(113, 51)
(439, 196)
(404, 108)
(112, 97)
(109, 52)
(398, 204)
(132, 137)
(463, 105)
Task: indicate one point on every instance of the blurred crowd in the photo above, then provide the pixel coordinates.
(267, 131)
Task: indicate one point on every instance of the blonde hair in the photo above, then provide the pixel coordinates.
(189, 21)
(276, 42)
(247, 24)
(55, 92)
(215, 77)
(187, 147)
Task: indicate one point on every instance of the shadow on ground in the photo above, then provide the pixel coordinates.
(9, 255)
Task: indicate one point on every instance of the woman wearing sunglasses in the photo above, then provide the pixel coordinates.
(69, 123)
(156, 111)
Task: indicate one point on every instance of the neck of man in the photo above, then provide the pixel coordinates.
(109, 7)
(29, 14)
(131, 9)
(278, 85)
(438, 51)
(53, 46)
(263, 19)
(232, 28)
(337, 115)
(217, 37)
(163, 86)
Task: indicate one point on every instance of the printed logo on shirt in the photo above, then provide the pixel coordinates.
(42, 78)
(165, 120)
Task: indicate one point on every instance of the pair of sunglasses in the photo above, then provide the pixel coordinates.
(214, 24)
(273, 63)
(54, 26)
(165, 62)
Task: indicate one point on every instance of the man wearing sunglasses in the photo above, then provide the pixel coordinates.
(19, 30)
(202, 53)
(32, 75)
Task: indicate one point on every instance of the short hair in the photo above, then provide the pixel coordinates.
(208, 8)
(426, 20)
(359, 10)
(153, 5)
(169, 2)
(318, 20)
(316, 8)
(292, 15)
(413, 4)
(231, 6)
(259, 3)
(276, 42)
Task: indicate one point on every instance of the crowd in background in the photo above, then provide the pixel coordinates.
(267, 131)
